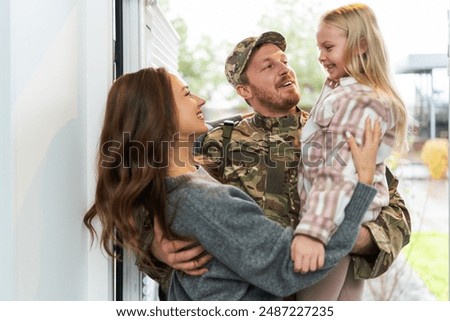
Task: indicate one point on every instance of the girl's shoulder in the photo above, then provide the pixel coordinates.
(351, 85)
(359, 92)
(358, 89)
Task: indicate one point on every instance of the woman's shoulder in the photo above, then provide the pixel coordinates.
(200, 186)
(201, 198)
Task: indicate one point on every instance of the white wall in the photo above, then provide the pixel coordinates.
(6, 229)
(56, 63)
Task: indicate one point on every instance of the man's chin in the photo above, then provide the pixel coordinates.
(292, 101)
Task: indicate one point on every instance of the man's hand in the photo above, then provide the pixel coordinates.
(364, 244)
(185, 256)
(307, 253)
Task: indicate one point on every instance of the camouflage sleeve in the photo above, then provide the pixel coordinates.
(209, 154)
(150, 265)
(391, 231)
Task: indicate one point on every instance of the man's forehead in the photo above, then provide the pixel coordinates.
(266, 52)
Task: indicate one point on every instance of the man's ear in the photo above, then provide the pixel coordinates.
(244, 91)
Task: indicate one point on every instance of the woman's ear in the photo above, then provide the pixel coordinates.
(244, 91)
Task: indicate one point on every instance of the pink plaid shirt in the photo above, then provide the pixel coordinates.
(327, 175)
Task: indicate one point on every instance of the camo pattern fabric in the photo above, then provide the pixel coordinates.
(391, 231)
(260, 144)
(237, 60)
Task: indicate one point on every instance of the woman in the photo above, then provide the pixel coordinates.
(146, 174)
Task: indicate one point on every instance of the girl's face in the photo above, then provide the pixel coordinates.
(332, 43)
(189, 109)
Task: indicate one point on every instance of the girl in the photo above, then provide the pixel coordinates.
(146, 175)
(358, 86)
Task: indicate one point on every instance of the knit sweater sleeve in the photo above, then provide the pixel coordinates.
(232, 227)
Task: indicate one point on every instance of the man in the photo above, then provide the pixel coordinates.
(260, 155)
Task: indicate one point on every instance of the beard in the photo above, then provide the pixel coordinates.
(280, 102)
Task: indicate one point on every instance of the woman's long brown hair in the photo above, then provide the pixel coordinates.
(140, 122)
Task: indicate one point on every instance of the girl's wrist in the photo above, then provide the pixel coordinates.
(366, 179)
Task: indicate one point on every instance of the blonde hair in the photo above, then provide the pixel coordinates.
(369, 67)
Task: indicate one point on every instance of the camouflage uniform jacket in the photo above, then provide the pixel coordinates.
(262, 158)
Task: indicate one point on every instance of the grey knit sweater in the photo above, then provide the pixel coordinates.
(251, 253)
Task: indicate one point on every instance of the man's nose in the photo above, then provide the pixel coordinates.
(284, 69)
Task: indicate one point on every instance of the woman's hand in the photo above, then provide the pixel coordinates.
(365, 156)
(186, 256)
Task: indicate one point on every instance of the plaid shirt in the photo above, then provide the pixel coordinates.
(327, 174)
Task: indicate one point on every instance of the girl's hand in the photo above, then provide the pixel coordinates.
(307, 253)
(365, 156)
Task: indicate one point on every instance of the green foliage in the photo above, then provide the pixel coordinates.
(198, 65)
(427, 253)
(295, 19)
(203, 69)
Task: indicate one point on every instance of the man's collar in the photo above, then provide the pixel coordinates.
(290, 120)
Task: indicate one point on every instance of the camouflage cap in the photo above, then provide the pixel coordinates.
(238, 58)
